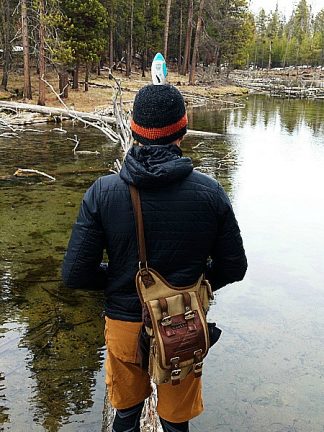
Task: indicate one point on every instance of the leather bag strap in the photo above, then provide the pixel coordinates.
(136, 201)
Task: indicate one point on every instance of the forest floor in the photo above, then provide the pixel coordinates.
(101, 90)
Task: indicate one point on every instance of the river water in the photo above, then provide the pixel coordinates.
(266, 374)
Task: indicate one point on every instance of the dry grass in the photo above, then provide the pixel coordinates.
(4, 94)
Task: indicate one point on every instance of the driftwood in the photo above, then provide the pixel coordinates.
(9, 135)
(13, 178)
(149, 419)
(100, 124)
(50, 111)
(203, 133)
(279, 86)
(19, 119)
(77, 143)
(22, 172)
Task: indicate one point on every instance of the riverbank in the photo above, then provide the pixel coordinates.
(291, 82)
(101, 91)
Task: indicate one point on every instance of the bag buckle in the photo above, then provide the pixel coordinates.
(146, 276)
(198, 369)
(189, 315)
(175, 370)
(198, 363)
(198, 366)
(166, 321)
(175, 373)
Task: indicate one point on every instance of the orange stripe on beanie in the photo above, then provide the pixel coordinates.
(155, 133)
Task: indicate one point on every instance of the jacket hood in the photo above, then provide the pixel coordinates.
(155, 166)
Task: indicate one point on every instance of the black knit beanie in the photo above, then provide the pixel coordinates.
(159, 115)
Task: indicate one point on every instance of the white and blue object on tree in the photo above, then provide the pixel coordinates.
(159, 70)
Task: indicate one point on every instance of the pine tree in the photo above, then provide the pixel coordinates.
(319, 36)
(261, 26)
(230, 26)
(300, 25)
(82, 26)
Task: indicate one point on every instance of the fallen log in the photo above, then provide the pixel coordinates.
(78, 114)
(57, 111)
(26, 119)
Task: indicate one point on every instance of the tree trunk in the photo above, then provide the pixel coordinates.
(270, 56)
(42, 63)
(196, 44)
(25, 38)
(143, 62)
(64, 84)
(128, 59)
(75, 84)
(111, 48)
(262, 62)
(86, 78)
(6, 68)
(131, 35)
(188, 39)
(129, 51)
(6, 21)
(180, 39)
(218, 59)
(166, 28)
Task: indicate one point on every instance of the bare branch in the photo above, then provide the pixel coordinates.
(122, 121)
(77, 142)
(103, 127)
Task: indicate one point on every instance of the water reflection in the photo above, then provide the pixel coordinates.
(270, 159)
(258, 109)
(64, 340)
(267, 374)
(292, 115)
(51, 345)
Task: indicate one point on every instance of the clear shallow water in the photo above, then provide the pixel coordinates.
(266, 374)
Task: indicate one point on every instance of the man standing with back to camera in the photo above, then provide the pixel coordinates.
(188, 221)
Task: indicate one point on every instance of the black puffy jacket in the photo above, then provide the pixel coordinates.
(188, 219)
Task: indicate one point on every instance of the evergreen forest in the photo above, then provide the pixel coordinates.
(126, 34)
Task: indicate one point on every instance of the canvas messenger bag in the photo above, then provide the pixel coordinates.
(174, 318)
